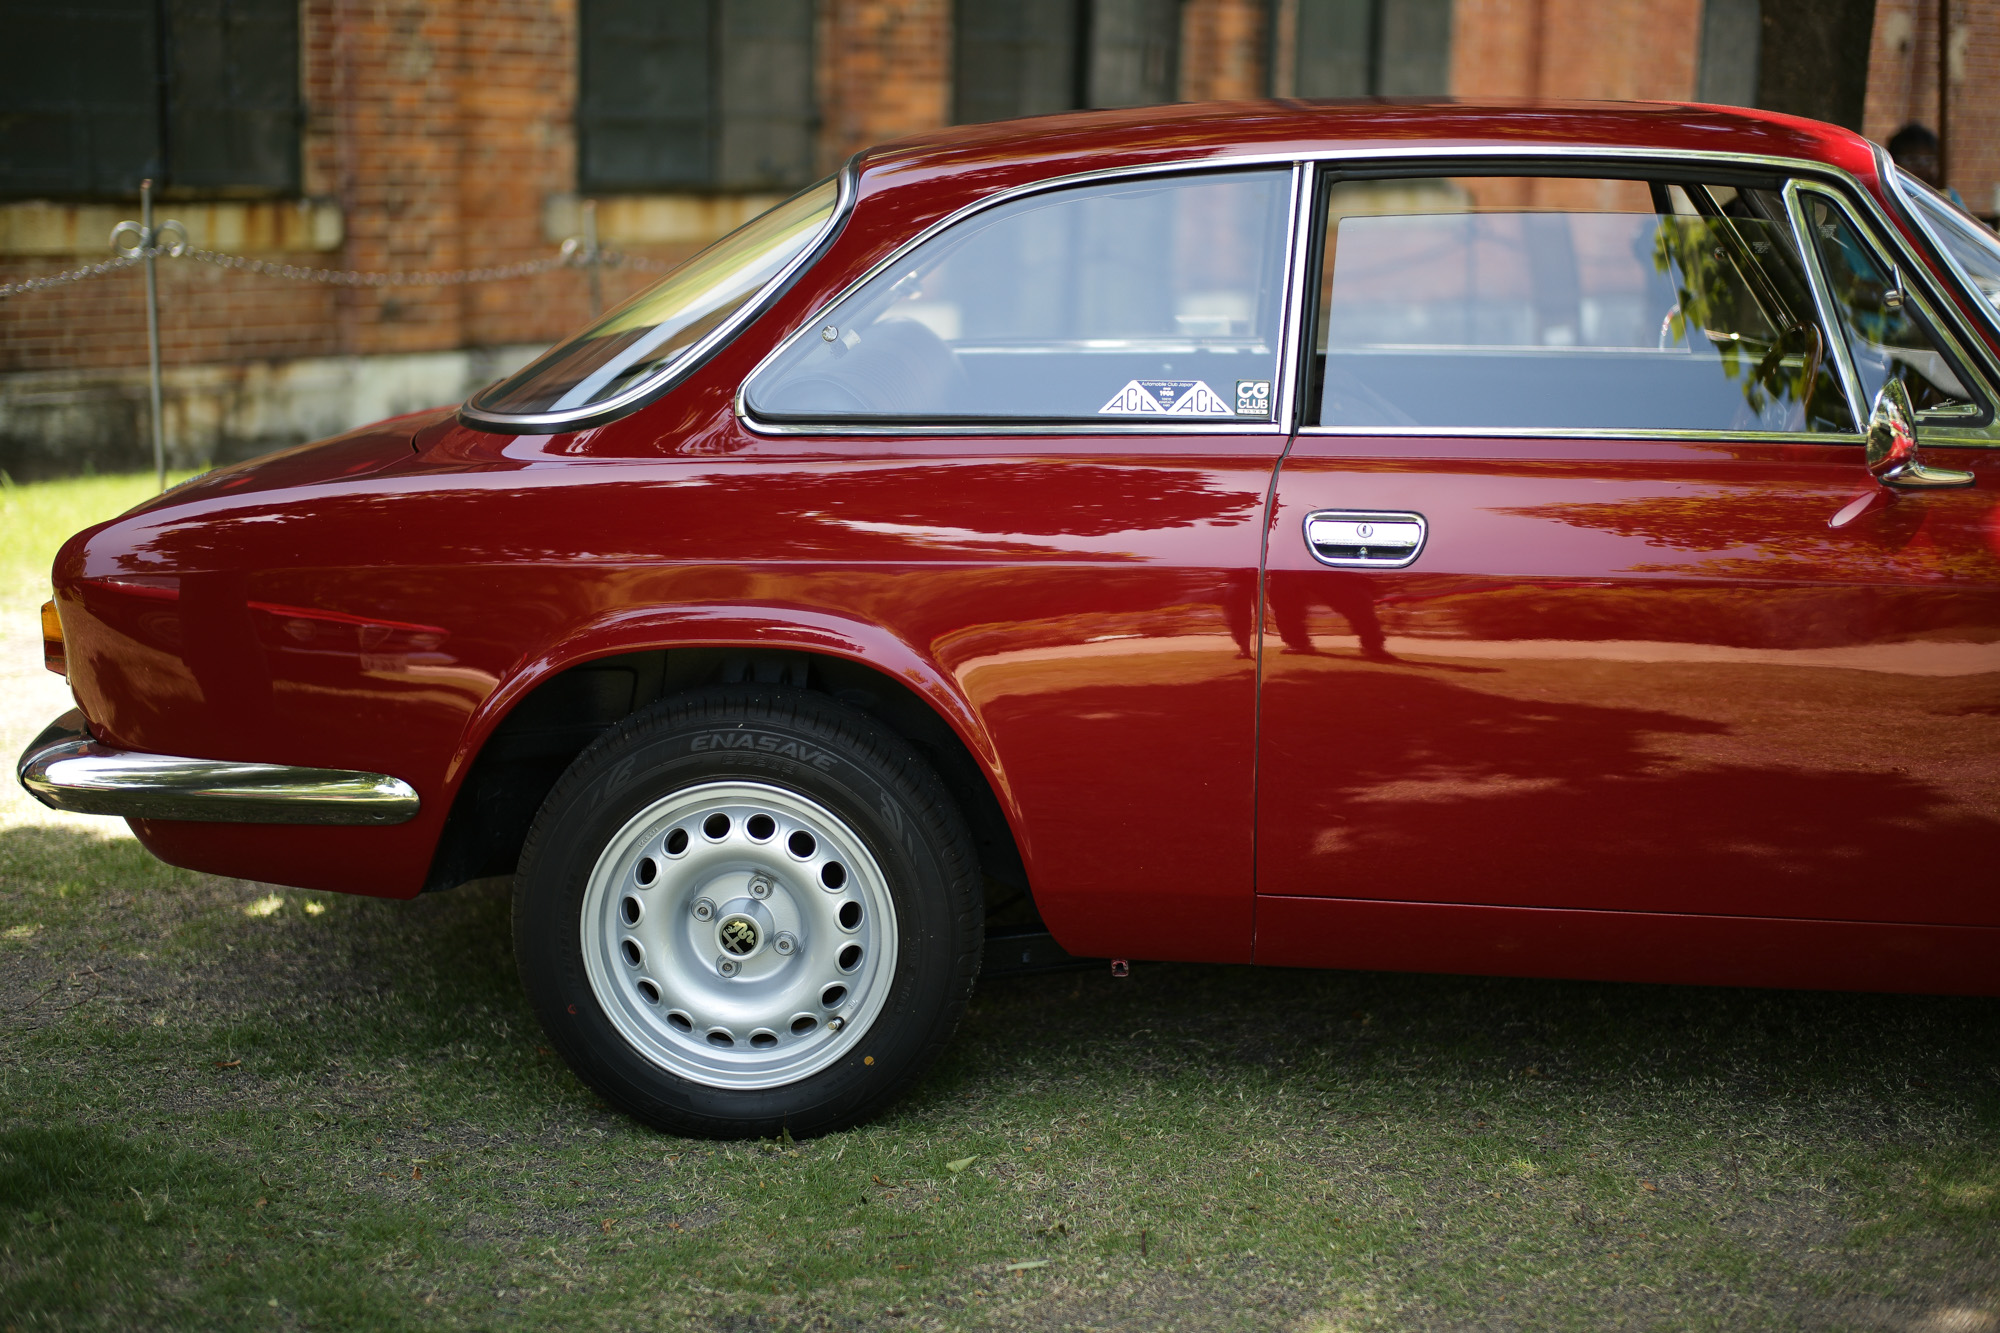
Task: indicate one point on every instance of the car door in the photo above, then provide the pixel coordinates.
(1037, 447)
(1580, 595)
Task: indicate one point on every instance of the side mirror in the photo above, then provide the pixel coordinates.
(1892, 444)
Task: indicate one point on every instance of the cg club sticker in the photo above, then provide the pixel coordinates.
(1174, 398)
(1253, 398)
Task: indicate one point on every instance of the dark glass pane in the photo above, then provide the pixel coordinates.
(1731, 33)
(1513, 304)
(1152, 298)
(233, 93)
(1884, 337)
(1134, 52)
(766, 95)
(1335, 48)
(79, 98)
(644, 113)
(1017, 59)
(1967, 242)
(1414, 48)
(1371, 48)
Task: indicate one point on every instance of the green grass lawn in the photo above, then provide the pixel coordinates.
(227, 1105)
(36, 519)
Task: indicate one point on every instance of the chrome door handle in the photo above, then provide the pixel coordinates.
(1369, 539)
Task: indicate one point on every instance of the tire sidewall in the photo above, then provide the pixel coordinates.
(652, 757)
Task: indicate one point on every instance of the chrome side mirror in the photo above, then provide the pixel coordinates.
(1892, 444)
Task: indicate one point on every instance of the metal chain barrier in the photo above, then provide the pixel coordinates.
(337, 277)
(574, 254)
(152, 242)
(73, 275)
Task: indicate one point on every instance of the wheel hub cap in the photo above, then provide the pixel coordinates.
(738, 934)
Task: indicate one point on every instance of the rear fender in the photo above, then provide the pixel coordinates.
(752, 627)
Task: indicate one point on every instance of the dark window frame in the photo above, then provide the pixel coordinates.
(1372, 26)
(1062, 55)
(205, 97)
(731, 87)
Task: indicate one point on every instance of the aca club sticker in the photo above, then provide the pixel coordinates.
(1176, 398)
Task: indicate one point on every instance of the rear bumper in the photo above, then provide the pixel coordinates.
(65, 769)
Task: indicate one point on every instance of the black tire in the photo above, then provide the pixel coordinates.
(818, 751)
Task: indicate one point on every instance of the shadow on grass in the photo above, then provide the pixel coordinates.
(97, 1221)
(1760, 1050)
(439, 969)
(377, 1062)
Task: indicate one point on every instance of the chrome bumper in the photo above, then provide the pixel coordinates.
(65, 769)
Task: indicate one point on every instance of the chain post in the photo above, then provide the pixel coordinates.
(593, 258)
(149, 239)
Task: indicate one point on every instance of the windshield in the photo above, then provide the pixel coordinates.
(645, 338)
(1973, 249)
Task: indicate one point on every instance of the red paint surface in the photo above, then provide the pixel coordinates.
(1645, 676)
(1081, 610)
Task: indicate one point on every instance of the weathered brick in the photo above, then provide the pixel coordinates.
(440, 128)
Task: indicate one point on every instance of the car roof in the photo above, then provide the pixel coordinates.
(1004, 153)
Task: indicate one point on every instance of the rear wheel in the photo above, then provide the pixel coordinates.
(748, 910)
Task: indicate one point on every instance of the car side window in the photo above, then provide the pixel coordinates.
(1885, 337)
(1147, 298)
(1515, 303)
(1970, 245)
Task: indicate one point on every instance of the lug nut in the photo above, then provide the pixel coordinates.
(760, 887)
(703, 909)
(726, 966)
(784, 943)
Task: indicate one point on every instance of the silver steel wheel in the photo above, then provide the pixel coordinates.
(739, 935)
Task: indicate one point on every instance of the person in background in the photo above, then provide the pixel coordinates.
(1914, 148)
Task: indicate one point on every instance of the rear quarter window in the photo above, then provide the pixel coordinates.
(1153, 298)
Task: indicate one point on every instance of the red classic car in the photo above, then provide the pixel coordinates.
(1553, 541)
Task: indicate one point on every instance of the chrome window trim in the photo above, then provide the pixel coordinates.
(1292, 306)
(1869, 215)
(1807, 168)
(1579, 433)
(847, 183)
(1030, 426)
(1004, 426)
(1900, 197)
(1309, 160)
(1830, 327)
(1913, 276)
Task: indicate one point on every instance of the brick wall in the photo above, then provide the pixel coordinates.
(1903, 86)
(884, 71)
(1616, 49)
(1225, 49)
(438, 130)
(441, 133)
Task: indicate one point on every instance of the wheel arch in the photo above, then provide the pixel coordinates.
(554, 704)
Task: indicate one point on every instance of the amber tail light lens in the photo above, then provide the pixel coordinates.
(53, 655)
